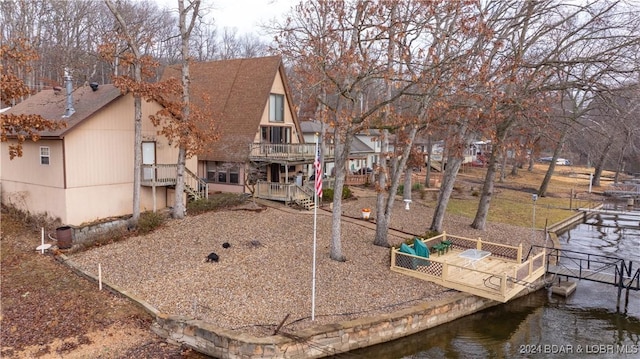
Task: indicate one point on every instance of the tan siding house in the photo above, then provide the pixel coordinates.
(252, 107)
(84, 172)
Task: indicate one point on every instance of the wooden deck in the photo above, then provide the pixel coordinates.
(287, 152)
(500, 276)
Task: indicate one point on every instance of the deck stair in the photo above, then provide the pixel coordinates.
(305, 202)
(194, 186)
(304, 198)
(165, 175)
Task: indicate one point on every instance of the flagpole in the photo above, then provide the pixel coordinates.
(315, 220)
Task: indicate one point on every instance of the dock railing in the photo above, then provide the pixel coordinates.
(440, 269)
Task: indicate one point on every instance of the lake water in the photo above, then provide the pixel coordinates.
(542, 325)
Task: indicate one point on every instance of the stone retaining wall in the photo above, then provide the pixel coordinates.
(317, 341)
(85, 234)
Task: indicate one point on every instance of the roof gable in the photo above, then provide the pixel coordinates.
(239, 91)
(51, 105)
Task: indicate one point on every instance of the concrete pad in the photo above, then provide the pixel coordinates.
(564, 289)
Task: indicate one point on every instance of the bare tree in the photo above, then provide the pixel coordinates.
(136, 64)
(188, 16)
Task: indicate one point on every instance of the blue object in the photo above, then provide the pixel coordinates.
(420, 248)
(404, 248)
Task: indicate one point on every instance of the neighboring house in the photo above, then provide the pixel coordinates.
(260, 136)
(85, 171)
(364, 153)
(370, 139)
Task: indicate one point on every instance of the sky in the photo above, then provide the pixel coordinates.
(245, 15)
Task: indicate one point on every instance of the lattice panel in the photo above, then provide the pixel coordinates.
(500, 251)
(434, 269)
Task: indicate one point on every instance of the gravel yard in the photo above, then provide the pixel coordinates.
(266, 273)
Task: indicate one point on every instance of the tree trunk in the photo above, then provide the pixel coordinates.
(503, 166)
(479, 222)
(406, 189)
(384, 206)
(427, 178)
(542, 191)
(446, 188)
(498, 150)
(185, 34)
(342, 146)
(178, 206)
(599, 165)
(137, 152)
(621, 162)
(382, 219)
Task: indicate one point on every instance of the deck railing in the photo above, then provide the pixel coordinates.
(166, 175)
(159, 174)
(356, 180)
(502, 251)
(287, 192)
(498, 286)
(287, 151)
(275, 191)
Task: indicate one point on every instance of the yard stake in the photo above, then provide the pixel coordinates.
(99, 276)
(42, 246)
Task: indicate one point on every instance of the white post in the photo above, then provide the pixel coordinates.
(99, 276)
(153, 187)
(42, 240)
(590, 181)
(315, 220)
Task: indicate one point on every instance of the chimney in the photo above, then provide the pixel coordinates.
(69, 85)
(94, 86)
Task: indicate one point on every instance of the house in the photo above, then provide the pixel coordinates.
(261, 147)
(364, 152)
(85, 171)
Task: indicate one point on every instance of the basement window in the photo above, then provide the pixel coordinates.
(44, 155)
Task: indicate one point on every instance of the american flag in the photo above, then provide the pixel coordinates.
(318, 166)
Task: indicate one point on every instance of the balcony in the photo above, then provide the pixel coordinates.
(290, 152)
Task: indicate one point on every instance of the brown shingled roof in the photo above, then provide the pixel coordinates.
(52, 105)
(239, 90)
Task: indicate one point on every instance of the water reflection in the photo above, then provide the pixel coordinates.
(542, 325)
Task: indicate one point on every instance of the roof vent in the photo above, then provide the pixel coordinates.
(69, 84)
(94, 86)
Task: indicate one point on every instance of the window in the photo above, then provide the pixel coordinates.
(273, 134)
(276, 108)
(234, 175)
(211, 171)
(222, 172)
(44, 155)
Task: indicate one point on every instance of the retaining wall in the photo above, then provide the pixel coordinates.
(317, 342)
(85, 234)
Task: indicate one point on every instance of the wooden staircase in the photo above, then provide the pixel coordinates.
(194, 186)
(164, 175)
(307, 202)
